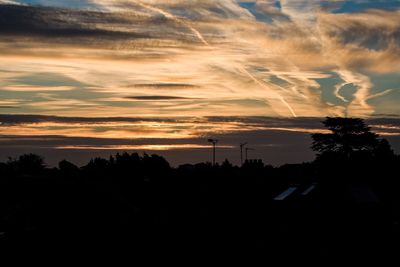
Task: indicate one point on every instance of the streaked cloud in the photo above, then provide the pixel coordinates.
(181, 140)
(163, 128)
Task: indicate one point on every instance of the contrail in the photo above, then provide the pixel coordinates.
(204, 41)
(263, 86)
(388, 91)
(176, 19)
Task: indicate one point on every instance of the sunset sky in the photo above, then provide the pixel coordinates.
(94, 77)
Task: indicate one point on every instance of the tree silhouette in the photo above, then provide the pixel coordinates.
(347, 137)
(27, 164)
(226, 165)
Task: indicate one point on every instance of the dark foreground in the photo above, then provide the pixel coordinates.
(142, 206)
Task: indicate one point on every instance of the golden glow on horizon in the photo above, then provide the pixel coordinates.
(142, 147)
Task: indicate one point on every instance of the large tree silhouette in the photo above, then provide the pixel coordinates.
(347, 137)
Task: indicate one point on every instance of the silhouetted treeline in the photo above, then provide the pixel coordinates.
(349, 194)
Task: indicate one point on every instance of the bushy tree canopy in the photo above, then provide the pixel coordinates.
(348, 136)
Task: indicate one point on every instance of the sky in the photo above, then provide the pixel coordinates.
(94, 77)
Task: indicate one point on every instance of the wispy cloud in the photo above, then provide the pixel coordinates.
(221, 57)
(33, 88)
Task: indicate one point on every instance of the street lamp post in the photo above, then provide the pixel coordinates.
(241, 152)
(214, 143)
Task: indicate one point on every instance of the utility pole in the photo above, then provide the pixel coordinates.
(247, 150)
(214, 143)
(241, 152)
